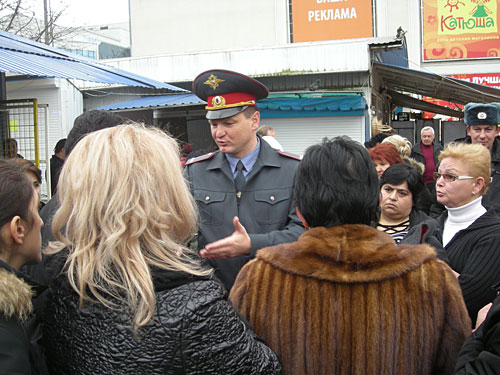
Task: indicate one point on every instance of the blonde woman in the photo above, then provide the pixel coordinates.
(470, 233)
(402, 144)
(131, 298)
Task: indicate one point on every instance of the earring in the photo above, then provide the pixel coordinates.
(473, 193)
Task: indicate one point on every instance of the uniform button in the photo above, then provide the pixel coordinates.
(271, 197)
(207, 198)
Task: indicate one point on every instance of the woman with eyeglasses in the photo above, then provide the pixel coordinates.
(470, 234)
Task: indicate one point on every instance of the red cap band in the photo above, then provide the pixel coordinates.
(231, 100)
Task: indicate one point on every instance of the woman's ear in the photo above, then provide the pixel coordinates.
(478, 185)
(301, 217)
(17, 231)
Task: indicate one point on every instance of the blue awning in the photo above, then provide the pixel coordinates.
(351, 105)
(23, 56)
(312, 107)
(156, 101)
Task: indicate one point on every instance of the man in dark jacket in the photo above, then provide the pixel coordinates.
(427, 152)
(480, 354)
(56, 163)
(244, 191)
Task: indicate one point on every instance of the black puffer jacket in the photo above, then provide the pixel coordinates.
(195, 330)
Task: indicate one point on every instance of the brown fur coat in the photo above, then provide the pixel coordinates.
(347, 300)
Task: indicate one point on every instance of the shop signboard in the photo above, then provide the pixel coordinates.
(460, 29)
(487, 79)
(317, 20)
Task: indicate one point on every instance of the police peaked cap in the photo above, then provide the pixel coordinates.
(482, 114)
(227, 93)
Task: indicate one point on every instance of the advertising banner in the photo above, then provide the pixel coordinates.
(460, 29)
(316, 20)
(486, 79)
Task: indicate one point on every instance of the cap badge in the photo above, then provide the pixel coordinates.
(482, 115)
(213, 81)
(218, 101)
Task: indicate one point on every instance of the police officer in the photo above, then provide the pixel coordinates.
(482, 128)
(244, 191)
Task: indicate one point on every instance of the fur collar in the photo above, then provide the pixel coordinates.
(15, 296)
(348, 254)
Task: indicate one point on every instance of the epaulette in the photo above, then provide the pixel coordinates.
(290, 155)
(199, 158)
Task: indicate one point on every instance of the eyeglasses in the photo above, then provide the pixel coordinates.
(450, 177)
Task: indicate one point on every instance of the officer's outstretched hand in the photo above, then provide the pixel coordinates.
(236, 244)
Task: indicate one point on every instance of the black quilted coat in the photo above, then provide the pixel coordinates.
(195, 330)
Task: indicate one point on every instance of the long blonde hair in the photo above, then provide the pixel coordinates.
(126, 208)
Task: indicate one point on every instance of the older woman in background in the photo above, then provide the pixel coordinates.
(130, 297)
(403, 197)
(383, 156)
(470, 233)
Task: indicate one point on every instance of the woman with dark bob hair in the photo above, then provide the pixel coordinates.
(344, 299)
(403, 200)
(383, 156)
(131, 298)
(20, 244)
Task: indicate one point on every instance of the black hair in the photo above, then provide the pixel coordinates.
(16, 192)
(89, 122)
(59, 145)
(336, 183)
(399, 173)
(376, 139)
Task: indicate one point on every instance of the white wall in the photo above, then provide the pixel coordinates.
(173, 26)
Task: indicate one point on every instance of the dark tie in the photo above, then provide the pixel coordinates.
(239, 180)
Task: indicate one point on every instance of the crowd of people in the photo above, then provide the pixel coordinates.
(252, 260)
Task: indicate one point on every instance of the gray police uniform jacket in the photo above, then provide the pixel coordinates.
(266, 209)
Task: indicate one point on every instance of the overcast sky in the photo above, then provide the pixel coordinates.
(89, 12)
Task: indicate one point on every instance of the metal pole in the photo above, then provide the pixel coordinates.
(46, 21)
(35, 122)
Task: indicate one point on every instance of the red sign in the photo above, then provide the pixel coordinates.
(486, 79)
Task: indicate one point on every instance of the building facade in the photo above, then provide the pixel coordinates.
(325, 46)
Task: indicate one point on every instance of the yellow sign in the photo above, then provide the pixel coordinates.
(460, 29)
(14, 126)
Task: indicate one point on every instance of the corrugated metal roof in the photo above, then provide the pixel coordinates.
(434, 85)
(23, 56)
(269, 107)
(312, 107)
(341, 103)
(156, 101)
